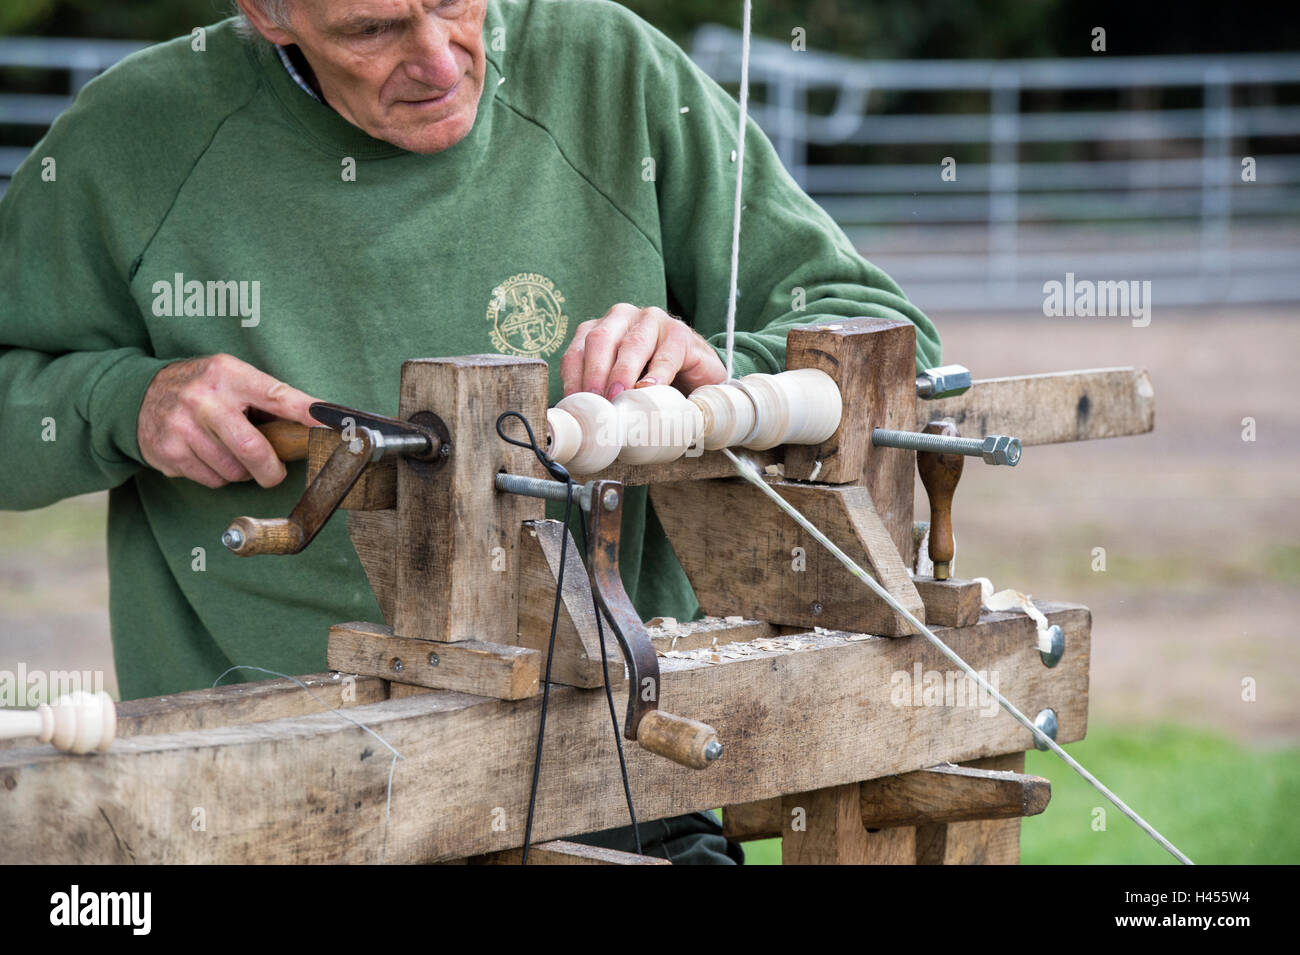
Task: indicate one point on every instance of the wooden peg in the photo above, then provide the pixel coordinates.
(78, 722)
(940, 474)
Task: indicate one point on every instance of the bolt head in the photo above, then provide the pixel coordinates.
(1053, 656)
(1046, 722)
(1001, 449)
(398, 665)
(232, 538)
(712, 750)
(816, 608)
(946, 381)
(444, 450)
(609, 499)
(433, 659)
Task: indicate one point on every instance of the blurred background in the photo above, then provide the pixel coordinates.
(976, 150)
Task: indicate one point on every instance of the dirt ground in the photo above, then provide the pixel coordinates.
(1201, 529)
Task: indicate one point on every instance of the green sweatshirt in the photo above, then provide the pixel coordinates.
(598, 171)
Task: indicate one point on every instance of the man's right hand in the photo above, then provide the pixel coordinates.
(193, 421)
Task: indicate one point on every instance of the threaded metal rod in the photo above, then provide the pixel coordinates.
(994, 449)
(540, 487)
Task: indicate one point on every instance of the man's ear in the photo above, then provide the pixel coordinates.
(274, 33)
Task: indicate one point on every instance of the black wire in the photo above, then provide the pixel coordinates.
(546, 684)
(561, 474)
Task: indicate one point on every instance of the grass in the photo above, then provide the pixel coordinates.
(1216, 800)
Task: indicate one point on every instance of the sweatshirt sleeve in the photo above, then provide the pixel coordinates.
(75, 357)
(797, 266)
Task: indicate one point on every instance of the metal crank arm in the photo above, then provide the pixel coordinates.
(367, 439)
(685, 741)
(248, 536)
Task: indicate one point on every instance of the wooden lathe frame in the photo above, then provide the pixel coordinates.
(801, 682)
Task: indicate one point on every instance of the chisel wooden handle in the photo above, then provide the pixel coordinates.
(940, 474)
(688, 742)
(288, 438)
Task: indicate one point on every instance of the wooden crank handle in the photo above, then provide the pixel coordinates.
(250, 536)
(940, 474)
(288, 438)
(689, 742)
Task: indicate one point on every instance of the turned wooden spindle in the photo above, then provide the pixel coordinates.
(658, 424)
(78, 722)
(940, 474)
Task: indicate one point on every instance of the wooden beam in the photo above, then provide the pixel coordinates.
(747, 821)
(457, 537)
(312, 788)
(975, 842)
(374, 538)
(927, 797)
(873, 360)
(560, 852)
(767, 567)
(1051, 408)
(951, 602)
(577, 644)
(238, 704)
(944, 794)
(824, 827)
(467, 666)
(706, 632)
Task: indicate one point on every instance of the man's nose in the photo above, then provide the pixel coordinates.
(431, 59)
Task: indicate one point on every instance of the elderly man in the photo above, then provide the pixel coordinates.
(307, 196)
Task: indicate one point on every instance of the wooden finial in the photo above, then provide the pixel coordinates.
(940, 474)
(78, 722)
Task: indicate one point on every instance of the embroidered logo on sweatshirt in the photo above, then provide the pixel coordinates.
(527, 316)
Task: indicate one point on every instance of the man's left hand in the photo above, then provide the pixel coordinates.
(637, 347)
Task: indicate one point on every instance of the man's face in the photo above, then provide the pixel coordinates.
(409, 72)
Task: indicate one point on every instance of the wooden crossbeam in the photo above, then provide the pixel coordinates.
(312, 788)
(938, 795)
(766, 566)
(1051, 408)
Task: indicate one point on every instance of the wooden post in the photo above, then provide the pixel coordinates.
(456, 555)
(873, 360)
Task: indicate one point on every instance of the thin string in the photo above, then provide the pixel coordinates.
(750, 473)
(740, 172)
(388, 799)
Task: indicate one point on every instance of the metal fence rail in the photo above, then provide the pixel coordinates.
(992, 236)
(1186, 220)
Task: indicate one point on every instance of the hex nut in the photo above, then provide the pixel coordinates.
(1001, 449)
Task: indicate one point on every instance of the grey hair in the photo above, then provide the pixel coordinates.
(277, 11)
